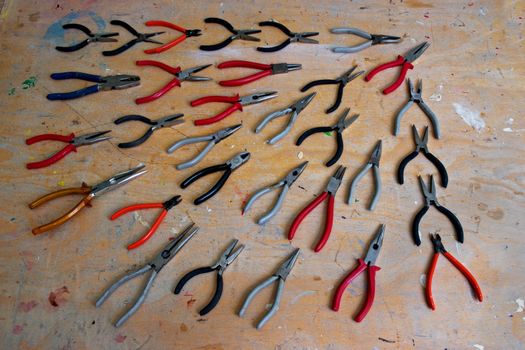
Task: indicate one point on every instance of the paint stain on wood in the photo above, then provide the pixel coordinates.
(190, 302)
(496, 214)
(26, 307)
(57, 297)
(120, 338)
(183, 327)
(17, 329)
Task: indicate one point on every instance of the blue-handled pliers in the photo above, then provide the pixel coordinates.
(110, 82)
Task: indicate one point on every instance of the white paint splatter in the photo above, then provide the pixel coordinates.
(208, 209)
(300, 155)
(436, 96)
(509, 121)
(458, 248)
(470, 117)
(512, 130)
(521, 305)
(420, 23)
(483, 11)
(140, 220)
(300, 295)
(423, 279)
(479, 347)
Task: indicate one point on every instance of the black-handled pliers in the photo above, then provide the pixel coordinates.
(242, 34)
(228, 167)
(341, 81)
(92, 37)
(292, 37)
(227, 257)
(431, 199)
(139, 37)
(339, 127)
(421, 146)
(155, 125)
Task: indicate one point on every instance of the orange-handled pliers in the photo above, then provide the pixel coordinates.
(186, 33)
(166, 206)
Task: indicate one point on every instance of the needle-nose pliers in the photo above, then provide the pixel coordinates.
(227, 257)
(157, 124)
(92, 37)
(303, 37)
(186, 33)
(139, 37)
(266, 69)
(371, 39)
(241, 34)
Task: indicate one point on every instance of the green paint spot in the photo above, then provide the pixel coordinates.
(11, 91)
(29, 82)
(328, 133)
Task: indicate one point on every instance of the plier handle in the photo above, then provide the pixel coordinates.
(186, 33)
(92, 37)
(266, 69)
(242, 34)
(168, 121)
(139, 37)
(371, 39)
(303, 37)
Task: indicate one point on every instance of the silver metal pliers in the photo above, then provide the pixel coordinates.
(371, 39)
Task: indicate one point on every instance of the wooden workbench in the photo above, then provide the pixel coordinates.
(473, 80)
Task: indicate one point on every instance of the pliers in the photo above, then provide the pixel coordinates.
(339, 127)
(180, 76)
(139, 37)
(267, 69)
(373, 163)
(284, 184)
(368, 263)
(186, 33)
(330, 192)
(73, 143)
(89, 193)
(303, 37)
(157, 124)
(421, 146)
(416, 97)
(342, 81)
(227, 257)
(236, 102)
(431, 199)
(166, 206)
(212, 139)
(404, 61)
(242, 34)
(371, 39)
(440, 249)
(280, 276)
(109, 82)
(293, 110)
(228, 167)
(155, 266)
(92, 37)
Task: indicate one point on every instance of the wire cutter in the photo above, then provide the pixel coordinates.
(373, 163)
(341, 81)
(339, 127)
(212, 139)
(139, 37)
(421, 146)
(267, 69)
(303, 37)
(92, 37)
(73, 143)
(293, 110)
(166, 206)
(330, 192)
(431, 199)
(236, 104)
(280, 276)
(157, 124)
(186, 33)
(284, 184)
(228, 167)
(367, 263)
(155, 266)
(89, 193)
(227, 257)
(180, 76)
(242, 34)
(109, 82)
(404, 61)
(415, 97)
(371, 39)
(439, 248)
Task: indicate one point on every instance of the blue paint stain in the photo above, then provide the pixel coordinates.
(55, 33)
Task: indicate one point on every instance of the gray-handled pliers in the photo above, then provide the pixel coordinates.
(415, 97)
(213, 139)
(285, 183)
(280, 276)
(372, 39)
(372, 163)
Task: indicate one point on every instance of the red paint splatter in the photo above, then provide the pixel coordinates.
(28, 259)
(120, 338)
(17, 329)
(188, 294)
(190, 303)
(26, 307)
(470, 4)
(57, 297)
(426, 15)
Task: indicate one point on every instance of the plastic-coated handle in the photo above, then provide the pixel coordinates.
(455, 222)
(203, 172)
(402, 165)
(207, 121)
(208, 99)
(73, 48)
(150, 232)
(415, 225)
(245, 80)
(190, 275)
(216, 297)
(85, 202)
(163, 66)
(243, 64)
(138, 141)
(53, 159)
(117, 22)
(400, 79)
(50, 137)
(468, 275)
(277, 25)
(220, 21)
(370, 294)
(430, 275)
(134, 207)
(215, 189)
(338, 99)
(77, 75)
(336, 301)
(165, 24)
(73, 94)
(338, 151)
(218, 46)
(120, 49)
(174, 82)
(84, 189)
(440, 167)
(397, 62)
(318, 82)
(275, 48)
(310, 132)
(172, 43)
(328, 224)
(134, 118)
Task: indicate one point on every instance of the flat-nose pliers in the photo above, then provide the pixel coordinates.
(241, 34)
(92, 37)
(139, 37)
(303, 37)
(157, 124)
(371, 39)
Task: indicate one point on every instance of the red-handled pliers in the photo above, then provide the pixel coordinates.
(166, 206)
(186, 33)
(180, 76)
(404, 61)
(331, 190)
(367, 263)
(71, 139)
(439, 248)
(236, 101)
(267, 69)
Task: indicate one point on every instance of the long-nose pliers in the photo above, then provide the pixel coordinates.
(266, 69)
(157, 124)
(92, 37)
(241, 34)
(371, 39)
(139, 37)
(303, 37)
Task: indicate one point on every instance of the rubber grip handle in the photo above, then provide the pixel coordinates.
(328, 224)
(73, 48)
(430, 275)
(84, 189)
(220, 21)
(216, 47)
(415, 225)
(370, 294)
(150, 232)
(53, 159)
(166, 46)
(303, 213)
(165, 24)
(310, 132)
(215, 189)
(402, 165)
(338, 99)
(134, 207)
(174, 82)
(245, 80)
(50, 137)
(138, 141)
(207, 121)
(275, 48)
(400, 79)
(189, 276)
(208, 99)
(77, 75)
(318, 82)
(468, 275)
(336, 301)
(440, 167)
(85, 202)
(73, 94)
(135, 118)
(120, 49)
(338, 151)
(397, 62)
(243, 64)
(216, 297)
(455, 222)
(163, 66)
(203, 172)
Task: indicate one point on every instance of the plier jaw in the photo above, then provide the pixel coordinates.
(384, 39)
(91, 138)
(348, 76)
(118, 180)
(279, 68)
(226, 132)
(257, 97)
(335, 180)
(244, 34)
(193, 32)
(187, 74)
(228, 256)
(295, 173)
(285, 269)
(119, 82)
(421, 143)
(417, 51)
(375, 247)
(304, 37)
(376, 154)
(238, 160)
